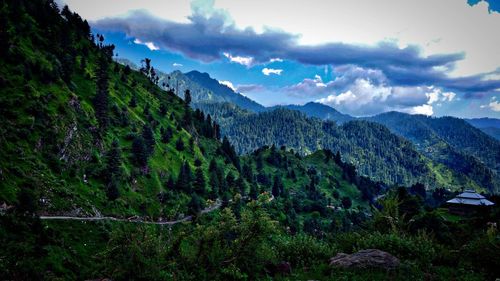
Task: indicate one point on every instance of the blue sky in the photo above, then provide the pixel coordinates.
(436, 57)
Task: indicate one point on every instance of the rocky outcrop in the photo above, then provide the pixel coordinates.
(369, 258)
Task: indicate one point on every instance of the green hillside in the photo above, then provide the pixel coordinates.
(451, 142)
(63, 105)
(370, 147)
(104, 176)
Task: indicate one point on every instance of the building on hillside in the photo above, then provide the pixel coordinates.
(468, 202)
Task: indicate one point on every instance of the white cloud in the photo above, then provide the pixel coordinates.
(275, 60)
(150, 45)
(449, 96)
(268, 71)
(425, 109)
(246, 61)
(449, 26)
(228, 84)
(494, 105)
(175, 10)
(176, 64)
(364, 97)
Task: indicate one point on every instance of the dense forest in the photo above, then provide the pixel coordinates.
(450, 141)
(434, 154)
(370, 147)
(104, 175)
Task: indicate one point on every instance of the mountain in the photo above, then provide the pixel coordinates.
(371, 147)
(484, 122)
(489, 126)
(321, 111)
(450, 141)
(105, 176)
(205, 89)
(84, 135)
(492, 131)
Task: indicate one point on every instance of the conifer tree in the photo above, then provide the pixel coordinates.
(139, 152)
(179, 144)
(113, 161)
(199, 183)
(195, 205)
(185, 178)
(148, 136)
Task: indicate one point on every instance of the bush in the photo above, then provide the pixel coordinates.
(419, 248)
(303, 250)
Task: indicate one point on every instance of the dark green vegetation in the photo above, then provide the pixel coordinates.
(82, 135)
(87, 135)
(370, 147)
(434, 153)
(320, 111)
(206, 89)
(490, 126)
(452, 142)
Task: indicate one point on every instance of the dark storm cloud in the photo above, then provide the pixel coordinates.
(207, 39)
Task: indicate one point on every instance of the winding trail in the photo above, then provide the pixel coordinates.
(212, 208)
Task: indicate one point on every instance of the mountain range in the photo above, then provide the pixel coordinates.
(451, 152)
(106, 176)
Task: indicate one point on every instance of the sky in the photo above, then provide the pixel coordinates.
(362, 57)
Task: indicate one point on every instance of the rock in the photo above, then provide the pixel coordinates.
(283, 269)
(369, 258)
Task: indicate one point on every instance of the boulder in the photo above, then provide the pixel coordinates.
(369, 258)
(283, 268)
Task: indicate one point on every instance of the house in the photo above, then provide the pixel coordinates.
(468, 202)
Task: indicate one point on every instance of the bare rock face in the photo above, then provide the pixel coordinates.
(369, 258)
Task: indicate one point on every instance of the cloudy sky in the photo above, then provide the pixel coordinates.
(362, 57)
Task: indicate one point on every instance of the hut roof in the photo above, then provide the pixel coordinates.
(470, 197)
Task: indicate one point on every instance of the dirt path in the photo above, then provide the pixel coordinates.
(212, 208)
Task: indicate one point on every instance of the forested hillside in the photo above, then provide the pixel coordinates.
(321, 111)
(82, 136)
(205, 89)
(450, 141)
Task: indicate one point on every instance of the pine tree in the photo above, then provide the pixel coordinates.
(241, 186)
(170, 183)
(167, 135)
(230, 181)
(253, 191)
(101, 99)
(139, 152)
(179, 144)
(199, 183)
(148, 136)
(247, 172)
(113, 161)
(187, 111)
(277, 186)
(195, 205)
(185, 178)
(112, 191)
(214, 184)
(187, 97)
(133, 101)
(346, 202)
(163, 110)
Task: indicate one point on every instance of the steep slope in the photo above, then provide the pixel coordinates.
(450, 141)
(321, 111)
(83, 135)
(205, 89)
(492, 131)
(484, 122)
(371, 147)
